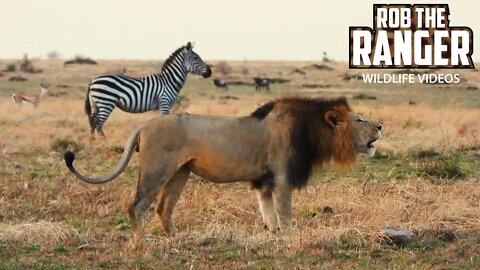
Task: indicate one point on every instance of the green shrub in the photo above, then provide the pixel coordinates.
(62, 145)
(364, 96)
(443, 168)
(11, 68)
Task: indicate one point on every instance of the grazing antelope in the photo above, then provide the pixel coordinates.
(220, 84)
(34, 99)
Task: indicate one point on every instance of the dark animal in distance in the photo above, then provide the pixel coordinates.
(262, 83)
(220, 84)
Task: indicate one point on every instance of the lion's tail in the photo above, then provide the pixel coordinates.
(127, 154)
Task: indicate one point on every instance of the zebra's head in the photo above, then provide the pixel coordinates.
(193, 62)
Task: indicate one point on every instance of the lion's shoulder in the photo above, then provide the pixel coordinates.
(300, 106)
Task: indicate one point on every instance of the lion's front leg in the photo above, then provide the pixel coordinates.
(267, 209)
(282, 200)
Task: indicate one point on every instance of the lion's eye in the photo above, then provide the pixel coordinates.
(360, 120)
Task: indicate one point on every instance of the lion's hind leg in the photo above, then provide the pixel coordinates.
(152, 178)
(169, 195)
(265, 202)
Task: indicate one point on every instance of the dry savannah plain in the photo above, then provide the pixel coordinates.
(424, 178)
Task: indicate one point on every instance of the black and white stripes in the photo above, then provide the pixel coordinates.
(137, 95)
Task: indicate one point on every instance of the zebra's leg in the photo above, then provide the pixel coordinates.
(91, 120)
(153, 175)
(99, 128)
(102, 116)
(169, 195)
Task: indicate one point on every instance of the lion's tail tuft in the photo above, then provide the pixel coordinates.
(69, 158)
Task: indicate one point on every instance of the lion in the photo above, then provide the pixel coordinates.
(275, 148)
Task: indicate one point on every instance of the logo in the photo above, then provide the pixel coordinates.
(411, 36)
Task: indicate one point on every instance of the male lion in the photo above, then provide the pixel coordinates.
(274, 148)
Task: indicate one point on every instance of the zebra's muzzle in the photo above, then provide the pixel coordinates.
(207, 73)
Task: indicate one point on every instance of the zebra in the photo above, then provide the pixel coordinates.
(138, 95)
(262, 83)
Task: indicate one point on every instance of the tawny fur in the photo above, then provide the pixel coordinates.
(275, 148)
(34, 99)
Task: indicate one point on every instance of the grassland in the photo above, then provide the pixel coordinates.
(425, 178)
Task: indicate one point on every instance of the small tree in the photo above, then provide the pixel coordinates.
(26, 64)
(10, 67)
(53, 55)
(223, 68)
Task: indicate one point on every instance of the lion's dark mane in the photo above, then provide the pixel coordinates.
(313, 141)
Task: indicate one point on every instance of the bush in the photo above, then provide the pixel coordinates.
(299, 71)
(321, 67)
(116, 149)
(10, 68)
(17, 79)
(364, 96)
(348, 77)
(444, 168)
(27, 66)
(62, 145)
(53, 55)
(278, 80)
(427, 153)
(223, 68)
(80, 60)
(315, 85)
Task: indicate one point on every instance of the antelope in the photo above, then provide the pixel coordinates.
(34, 99)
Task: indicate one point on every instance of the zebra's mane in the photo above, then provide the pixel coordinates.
(172, 57)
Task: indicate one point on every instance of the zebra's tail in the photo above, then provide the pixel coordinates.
(88, 106)
(127, 154)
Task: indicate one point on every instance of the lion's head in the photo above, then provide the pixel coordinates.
(353, 128)
(365, 133)
(321, 131)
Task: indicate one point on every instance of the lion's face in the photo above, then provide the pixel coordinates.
(366, 132)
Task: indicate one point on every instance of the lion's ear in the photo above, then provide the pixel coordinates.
(332, 119)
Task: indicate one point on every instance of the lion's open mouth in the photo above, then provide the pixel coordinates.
(370, 143)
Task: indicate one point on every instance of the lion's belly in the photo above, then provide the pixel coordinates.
(219, 171)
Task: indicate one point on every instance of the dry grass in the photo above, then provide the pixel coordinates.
(52, 221)
(42, 233)
(413, 128)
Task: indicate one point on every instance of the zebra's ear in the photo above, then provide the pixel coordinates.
(189, 46)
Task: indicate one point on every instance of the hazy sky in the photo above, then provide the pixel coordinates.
(222, 29)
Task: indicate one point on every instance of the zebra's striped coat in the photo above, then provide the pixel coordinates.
(138, 95)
